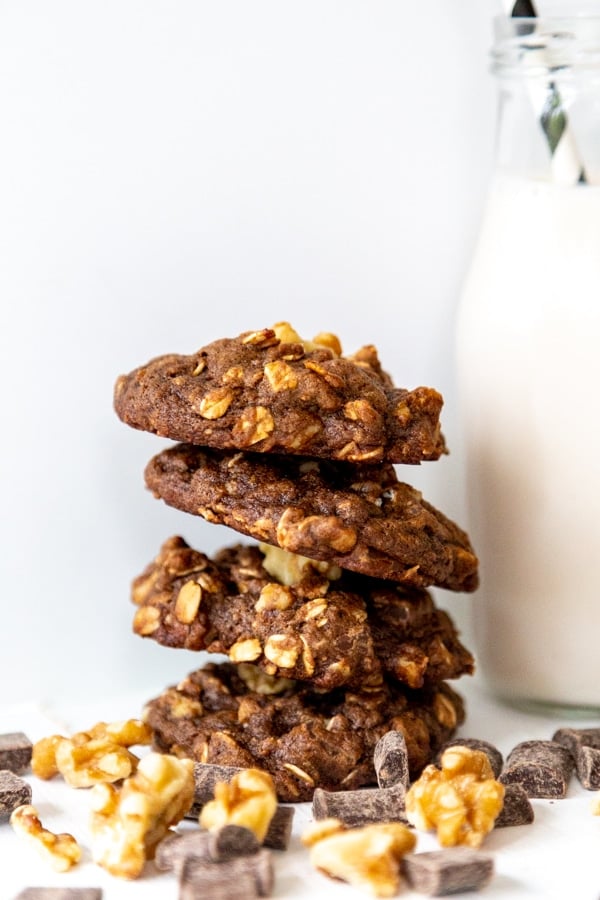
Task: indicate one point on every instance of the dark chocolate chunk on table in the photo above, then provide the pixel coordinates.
(543, 768)
(447, 871)
(584, 746)
(15, 752)
(14, 792)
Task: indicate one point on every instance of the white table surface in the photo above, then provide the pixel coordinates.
(555, 857)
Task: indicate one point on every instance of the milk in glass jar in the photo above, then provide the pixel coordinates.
(528, 361)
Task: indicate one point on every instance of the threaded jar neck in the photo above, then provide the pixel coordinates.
(542, 46)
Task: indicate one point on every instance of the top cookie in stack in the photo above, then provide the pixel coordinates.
(328, 625)
(270, 392)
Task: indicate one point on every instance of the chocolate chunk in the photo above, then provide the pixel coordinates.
(252, 873)
(60, 893)
(279, 833)
(543, 768)
(448, 871)
(492, 752)
(363, 807)
(231, 840)
(517, 810)
(390, 759)
(13, 792)
(213, 846)
(219, 886)
(15, 752)
(206, 775)
(584, 746)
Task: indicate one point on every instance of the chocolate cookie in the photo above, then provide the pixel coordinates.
(237, 716)
(357, 516)
(330, 628)
(269, 391)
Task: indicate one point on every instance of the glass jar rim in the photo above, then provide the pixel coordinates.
(546, 44)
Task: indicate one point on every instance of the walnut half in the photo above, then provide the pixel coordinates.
(460, 801)
(127, 823)
(61, 850)
(249, 799)
(367, 857)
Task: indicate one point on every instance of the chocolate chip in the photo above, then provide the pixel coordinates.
(214, 846)
(448, 871)
(517, 810)
(543, 768)
(584, 746)
(492, 752)
(241, 876)
(60, 893)
(363, 807)
(14, 792)
(15, 752)
(390, 759)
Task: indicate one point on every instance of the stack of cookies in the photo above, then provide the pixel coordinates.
(331, 636)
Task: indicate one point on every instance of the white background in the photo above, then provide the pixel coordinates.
(175, 172)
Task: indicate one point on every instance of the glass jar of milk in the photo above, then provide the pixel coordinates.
(528, 362)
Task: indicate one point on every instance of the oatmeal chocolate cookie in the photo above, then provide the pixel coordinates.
(355, 515)
(329, 628)
(237, 716)
(269, 391)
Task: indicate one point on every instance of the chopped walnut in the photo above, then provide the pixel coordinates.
(402, 413)
(329, 340)
(254, 424)
(324, 339)
(43, 757)
(249, 799)
(274, 596)
(127, 823)
(146, 620)
(304, 436)
(460, 801)
(234, 376)
(89, 757)
(361, 411)
(294, 530)
(260, 682)
(280, 375)
(283, 650)
(61, 850)
(367, 857)
(216, 403)
(332, 378)
(290, 568)
(245, 650)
